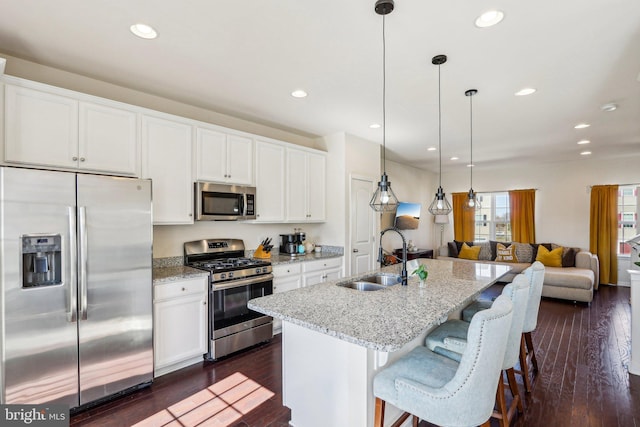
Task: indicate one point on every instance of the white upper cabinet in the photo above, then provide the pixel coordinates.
(270, 182)
(108, 139)
(223, 157)
(306, 186)
(57, 131)
(166, 153)
(41, 128)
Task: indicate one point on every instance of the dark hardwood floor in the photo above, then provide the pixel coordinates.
(583, 352)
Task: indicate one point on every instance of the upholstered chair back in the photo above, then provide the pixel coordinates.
(518, 292)
(469, 397)
(535, 274)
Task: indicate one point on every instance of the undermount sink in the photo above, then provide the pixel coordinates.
(384, 279)
(374, 282)
(362, 286)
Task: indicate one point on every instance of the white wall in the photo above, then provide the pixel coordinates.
(416, 186)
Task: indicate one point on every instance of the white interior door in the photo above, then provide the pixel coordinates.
(362, 225)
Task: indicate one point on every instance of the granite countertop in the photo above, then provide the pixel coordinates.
(171, 269)
(174, 273)
(387, 319)
(313, 256)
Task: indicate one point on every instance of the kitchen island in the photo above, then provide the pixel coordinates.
(335, 339)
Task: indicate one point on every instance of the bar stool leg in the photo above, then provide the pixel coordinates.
(378, 420)
(531, 352)
(513, 386)
(524, 365)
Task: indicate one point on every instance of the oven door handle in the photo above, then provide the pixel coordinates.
(241, 282)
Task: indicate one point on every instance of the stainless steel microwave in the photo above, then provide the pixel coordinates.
(224, 202)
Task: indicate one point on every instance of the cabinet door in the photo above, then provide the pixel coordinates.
(211, 156)
(167, 161)
(180, 331)
(316, 194)
(108, 140)
(296, 185)
(270, 187)
(41, 128)
(334, 274)
(239, 160)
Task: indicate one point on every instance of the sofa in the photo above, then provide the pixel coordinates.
(574, 279)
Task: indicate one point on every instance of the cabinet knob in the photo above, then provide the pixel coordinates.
(184, 289)
(354, 251)
(204, 303)
(74, 158)
(82, 159)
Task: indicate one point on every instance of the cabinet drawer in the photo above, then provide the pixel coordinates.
(180, 288)
(322, 264)
(286, 269)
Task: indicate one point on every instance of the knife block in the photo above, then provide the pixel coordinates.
(260, 253)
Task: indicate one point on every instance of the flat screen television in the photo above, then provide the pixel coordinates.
(407, 216)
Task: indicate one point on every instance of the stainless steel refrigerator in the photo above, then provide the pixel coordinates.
(76, 290)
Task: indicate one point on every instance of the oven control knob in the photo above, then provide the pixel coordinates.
(223, 276)
(258, 271)
(230, 275)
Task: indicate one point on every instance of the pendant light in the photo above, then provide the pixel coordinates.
(384, 200)
(472, 202)
(440, 204)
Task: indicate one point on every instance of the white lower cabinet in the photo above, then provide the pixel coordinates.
(180, 324)
(321, 271)
(285, 278)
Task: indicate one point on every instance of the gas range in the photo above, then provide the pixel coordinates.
(233, 280)
(224, 259)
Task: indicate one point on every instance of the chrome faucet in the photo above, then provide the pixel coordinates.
(403, 274)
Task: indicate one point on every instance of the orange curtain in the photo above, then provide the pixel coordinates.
(603, 230)
(522, 205)
(464, 220)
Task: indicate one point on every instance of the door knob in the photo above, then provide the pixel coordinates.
(354, 251)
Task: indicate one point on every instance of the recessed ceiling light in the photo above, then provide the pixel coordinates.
(454, 158)
(431, 149)
(585, 153)
(581, 125)
(299, 93)
(525, 91)
(374, 126)
(583, 142)
(609, 107)
(489, 18)
(144, 31)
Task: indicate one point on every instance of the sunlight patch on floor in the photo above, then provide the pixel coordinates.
(219, 405)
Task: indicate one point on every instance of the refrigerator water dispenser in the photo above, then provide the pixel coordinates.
(41, 260)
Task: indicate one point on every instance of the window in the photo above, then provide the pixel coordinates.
(628, 207)
(493, 219)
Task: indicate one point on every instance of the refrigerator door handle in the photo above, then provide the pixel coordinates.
(82, 260)
(72, 314)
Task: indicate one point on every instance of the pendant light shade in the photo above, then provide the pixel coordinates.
(472, 202)
(384, 200)
(440, 204)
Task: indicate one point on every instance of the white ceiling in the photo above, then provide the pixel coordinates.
(244, 57)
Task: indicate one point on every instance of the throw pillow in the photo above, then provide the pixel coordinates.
(469, 252)
(506, 253)
(453, 249)
(485, 250)
(549, 258)
(524, 251)
(459, 244)
(494, 251)
(535, 246)
(568, 255)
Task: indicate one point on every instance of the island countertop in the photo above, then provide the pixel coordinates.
(387, 319)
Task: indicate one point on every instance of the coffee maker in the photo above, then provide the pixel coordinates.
(290, 243)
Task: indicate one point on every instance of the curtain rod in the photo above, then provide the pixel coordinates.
(506, 191)
(619, 185)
